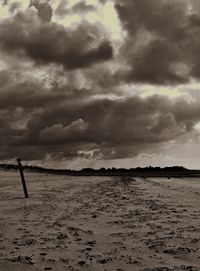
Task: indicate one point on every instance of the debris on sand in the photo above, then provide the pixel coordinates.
(21, 259)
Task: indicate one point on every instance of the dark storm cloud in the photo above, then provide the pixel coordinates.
(62, 9)
(163, 42)
(155, 15)
(61, 118)
(58, 133)
(154, 64)
(33, 153)
(52, 43)
(28, 94)
(66, 122)
(109, 128)
(45, 11)
(80, 7)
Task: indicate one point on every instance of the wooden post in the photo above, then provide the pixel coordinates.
(22, 178)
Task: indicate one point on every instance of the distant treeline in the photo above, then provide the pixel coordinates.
(147, 171)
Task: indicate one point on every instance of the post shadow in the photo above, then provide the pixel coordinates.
(22, 178)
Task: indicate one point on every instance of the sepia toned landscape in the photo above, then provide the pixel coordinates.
(100, 108)
(99, 223)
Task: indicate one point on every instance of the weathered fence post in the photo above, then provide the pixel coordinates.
(22, 178)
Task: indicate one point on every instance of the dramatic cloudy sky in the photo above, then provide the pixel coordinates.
(100, 83)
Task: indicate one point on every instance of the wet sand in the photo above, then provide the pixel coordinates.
(99, 223)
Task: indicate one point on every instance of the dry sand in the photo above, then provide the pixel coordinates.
(99, 223)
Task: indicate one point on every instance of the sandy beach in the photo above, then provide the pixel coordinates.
(99, 223)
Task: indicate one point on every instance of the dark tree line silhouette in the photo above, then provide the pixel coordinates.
(145, 172)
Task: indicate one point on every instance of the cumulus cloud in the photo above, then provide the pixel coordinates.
(57, 104)
(72, 123)
(168, 51)
(110, 128)
(50, 43)
(44, 9)
(58, 134)
(14, 6)
(80, 7)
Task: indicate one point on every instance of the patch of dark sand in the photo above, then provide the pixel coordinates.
(178, 251)
(21, 259)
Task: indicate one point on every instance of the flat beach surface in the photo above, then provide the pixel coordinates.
(99, 223)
